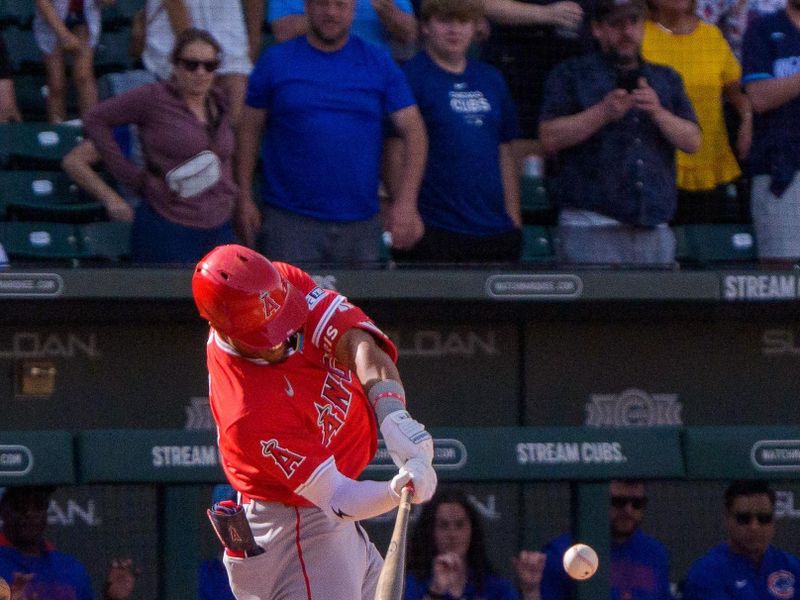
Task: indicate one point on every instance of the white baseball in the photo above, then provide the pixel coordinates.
(580, 561)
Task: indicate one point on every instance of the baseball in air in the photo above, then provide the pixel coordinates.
(580, 561)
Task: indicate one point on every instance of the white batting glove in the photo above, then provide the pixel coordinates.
(421, 474)
(406, 438)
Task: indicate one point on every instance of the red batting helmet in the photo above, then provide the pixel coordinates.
(244, 296)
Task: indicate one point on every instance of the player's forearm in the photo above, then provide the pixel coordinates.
(359, 351)
(345, 499)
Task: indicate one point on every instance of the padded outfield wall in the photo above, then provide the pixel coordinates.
(634, 350)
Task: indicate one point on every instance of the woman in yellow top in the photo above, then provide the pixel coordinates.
(676, 37)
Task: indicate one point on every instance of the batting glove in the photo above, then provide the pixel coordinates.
(421, 474)
(406, 438)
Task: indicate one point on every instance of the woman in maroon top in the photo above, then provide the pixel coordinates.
(187, 186)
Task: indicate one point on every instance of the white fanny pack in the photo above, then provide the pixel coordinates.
(195, 175)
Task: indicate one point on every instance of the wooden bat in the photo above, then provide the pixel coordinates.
(393, 573)
(5, 591)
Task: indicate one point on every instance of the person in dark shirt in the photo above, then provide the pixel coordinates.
(613, 122)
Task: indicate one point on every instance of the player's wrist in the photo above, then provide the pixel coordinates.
(386, 397)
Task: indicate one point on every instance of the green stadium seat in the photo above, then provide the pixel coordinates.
(111, 54)
(44, 241)
(120, 14)
(45, 196)
(34, 145)
(31, 91)
(25, 185)
(23, 53)
(17, 12)
(715, 243)
(533, 194)
(110, 240)
(537, 245)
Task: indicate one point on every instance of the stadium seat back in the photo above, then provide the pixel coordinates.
(109, 240)
(715, 243)
(537, 244)
(33, 145)
(42, 241)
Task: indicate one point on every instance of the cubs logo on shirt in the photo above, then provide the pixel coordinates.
(781, 584)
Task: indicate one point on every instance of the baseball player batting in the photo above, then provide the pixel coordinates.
(300, 380)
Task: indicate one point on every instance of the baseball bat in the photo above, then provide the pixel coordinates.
(392, 578)
(5, 591)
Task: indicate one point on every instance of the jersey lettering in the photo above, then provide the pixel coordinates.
(336, 394)
(287, 461)
(331, 333)
(329, 422)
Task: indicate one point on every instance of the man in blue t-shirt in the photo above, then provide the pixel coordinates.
(639, 563)
(387, 23)
(29, 562)
(324, 99)
(771, 76)
(747, 566)
(469, 199)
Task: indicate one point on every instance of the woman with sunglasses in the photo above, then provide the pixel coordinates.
(186, 185)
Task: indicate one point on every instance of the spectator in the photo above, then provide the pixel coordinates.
(639, 563)
(675, 36)
(68, 27)
(447, 555)
(528, 38)
(747, 565)
(614, 122)
(388, 23)
(734, 16)
(324, 98)
(469, 199)
(34, 568)
(9, 111)
(235, 24)
(212, 578)
(187, 187)
(772, 82)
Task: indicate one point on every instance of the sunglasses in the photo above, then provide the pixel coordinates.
(192, 65)
(637, 502)
(745, 518)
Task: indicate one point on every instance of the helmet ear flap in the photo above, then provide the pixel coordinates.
(243, 296)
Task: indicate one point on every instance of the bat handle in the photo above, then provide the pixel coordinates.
(406, 494)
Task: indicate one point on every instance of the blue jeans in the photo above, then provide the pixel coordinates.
(156, 240)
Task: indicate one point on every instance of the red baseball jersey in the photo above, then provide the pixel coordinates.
(278, 422)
